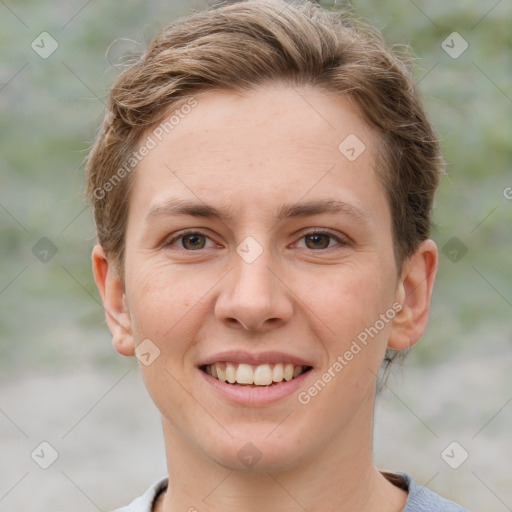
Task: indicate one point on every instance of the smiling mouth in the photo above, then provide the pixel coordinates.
(242, 374)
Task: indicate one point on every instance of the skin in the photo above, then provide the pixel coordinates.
(254, 153)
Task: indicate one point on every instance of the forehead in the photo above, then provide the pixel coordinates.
(272, 145)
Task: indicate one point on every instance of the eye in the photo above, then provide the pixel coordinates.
(189, 241)
(195, 240)
(319, 240)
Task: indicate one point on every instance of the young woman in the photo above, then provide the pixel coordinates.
(262, 187)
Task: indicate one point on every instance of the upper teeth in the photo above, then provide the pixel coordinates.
(260, 375)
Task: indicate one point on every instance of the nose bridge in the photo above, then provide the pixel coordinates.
(254, 277)
(252, 296)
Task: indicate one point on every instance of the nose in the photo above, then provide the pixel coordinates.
(254, 296)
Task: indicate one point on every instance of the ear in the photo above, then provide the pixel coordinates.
(112, 294)
(414, 293)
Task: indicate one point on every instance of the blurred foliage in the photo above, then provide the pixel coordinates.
(52, 107)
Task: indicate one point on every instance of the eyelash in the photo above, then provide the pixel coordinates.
(342, 241)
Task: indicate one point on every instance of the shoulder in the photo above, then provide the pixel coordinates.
(145, 502)
(422, 499)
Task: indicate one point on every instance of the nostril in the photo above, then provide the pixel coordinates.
(268, 321)
(233, 322)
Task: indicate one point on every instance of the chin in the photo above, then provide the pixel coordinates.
(256, 453)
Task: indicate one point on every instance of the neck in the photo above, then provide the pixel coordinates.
(339, 478)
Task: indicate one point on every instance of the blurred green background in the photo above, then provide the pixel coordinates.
(458, 379)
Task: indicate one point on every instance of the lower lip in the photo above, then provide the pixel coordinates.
(255, 395)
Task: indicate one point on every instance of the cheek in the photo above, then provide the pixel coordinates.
(348, 306)
(166, 308)
(164, 301)
(348, 298)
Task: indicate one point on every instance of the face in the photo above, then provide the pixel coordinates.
(258, 251)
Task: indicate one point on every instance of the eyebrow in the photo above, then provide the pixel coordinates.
(175, 206)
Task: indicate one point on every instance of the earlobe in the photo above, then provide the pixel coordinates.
(414, 293)
(113, 296)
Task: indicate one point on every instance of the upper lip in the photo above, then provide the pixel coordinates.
(240, 356)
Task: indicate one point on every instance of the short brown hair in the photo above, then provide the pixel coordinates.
(241, 45)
